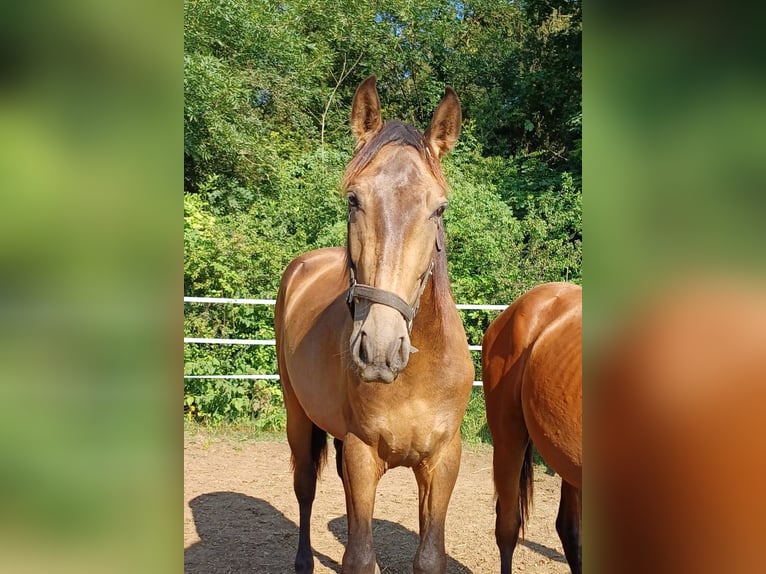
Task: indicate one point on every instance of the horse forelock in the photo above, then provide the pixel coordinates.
(393, 132)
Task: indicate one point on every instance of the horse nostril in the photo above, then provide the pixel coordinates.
(363, 348)
(398, 359)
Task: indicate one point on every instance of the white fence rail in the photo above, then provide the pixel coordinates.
(272, 342)
(230, 341)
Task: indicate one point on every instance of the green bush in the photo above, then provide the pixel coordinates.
(474, 428)
(267, 95)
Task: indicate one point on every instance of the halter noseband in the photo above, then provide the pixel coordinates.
(375, 295)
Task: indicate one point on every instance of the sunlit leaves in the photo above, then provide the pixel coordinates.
(267, 93)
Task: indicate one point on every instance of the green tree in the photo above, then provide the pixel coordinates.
(268, 88)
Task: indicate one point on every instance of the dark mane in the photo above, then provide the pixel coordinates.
(442, 300)
(393, 132)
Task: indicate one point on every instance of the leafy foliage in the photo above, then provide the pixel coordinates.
(267, 90)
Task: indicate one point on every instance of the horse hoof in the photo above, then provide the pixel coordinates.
(304, 566)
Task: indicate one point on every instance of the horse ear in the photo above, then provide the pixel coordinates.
(365, 111)
(444, 129)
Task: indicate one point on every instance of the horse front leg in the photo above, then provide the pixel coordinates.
(362, 470)
(436, 480)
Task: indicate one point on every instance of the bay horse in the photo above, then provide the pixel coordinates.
(676, 427)
(532, 375)
(370, 346)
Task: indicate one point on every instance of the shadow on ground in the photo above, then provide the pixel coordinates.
(550, 553)
(242, 534)
(395, 546)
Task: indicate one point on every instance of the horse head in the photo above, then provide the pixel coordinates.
(396, 195)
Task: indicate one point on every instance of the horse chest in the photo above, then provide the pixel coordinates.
(404, 431)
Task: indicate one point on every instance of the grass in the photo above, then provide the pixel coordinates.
(474, 427)
(238, 431)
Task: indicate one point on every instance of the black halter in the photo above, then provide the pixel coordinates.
(361, 291)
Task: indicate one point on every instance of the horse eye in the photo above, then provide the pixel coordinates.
(439, 212)
(353, 201)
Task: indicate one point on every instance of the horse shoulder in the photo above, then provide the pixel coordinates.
(311, 316)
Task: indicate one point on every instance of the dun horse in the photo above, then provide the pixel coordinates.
(370, 346)
(532, 371)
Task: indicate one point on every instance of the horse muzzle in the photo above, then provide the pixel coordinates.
(380, 343)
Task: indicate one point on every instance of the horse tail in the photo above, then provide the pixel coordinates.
(318, 448)
(526, 486)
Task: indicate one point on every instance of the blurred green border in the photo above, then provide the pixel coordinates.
(674, 170)
(90, 301)
(91, 245)
(674, 107)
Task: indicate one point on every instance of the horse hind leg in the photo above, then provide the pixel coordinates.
(338, 456)
(513, 475)
(569, 525)
(308, 444)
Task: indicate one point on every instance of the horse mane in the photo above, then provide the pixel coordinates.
(442, 299)
(393, 132)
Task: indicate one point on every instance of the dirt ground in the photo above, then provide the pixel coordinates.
(240, 514)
